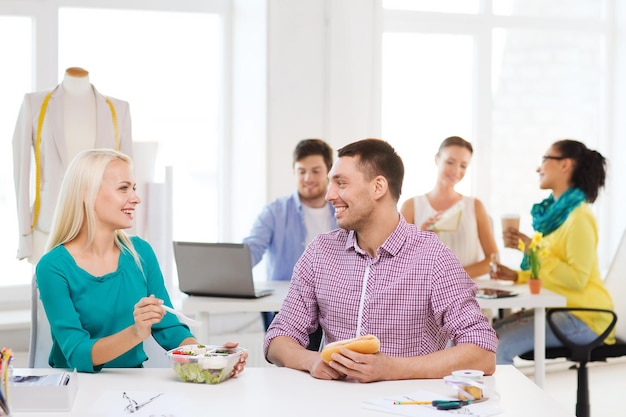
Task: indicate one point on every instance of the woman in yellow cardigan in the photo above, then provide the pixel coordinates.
(568, 258)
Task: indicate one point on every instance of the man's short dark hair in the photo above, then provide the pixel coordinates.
(377, 157)
(308, 147)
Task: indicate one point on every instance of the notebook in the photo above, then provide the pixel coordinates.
(449, 220)
(494, 293)
(216, 270)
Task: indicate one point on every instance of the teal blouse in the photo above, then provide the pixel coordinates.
(83, 308)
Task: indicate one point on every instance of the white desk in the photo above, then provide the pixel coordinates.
(202, 307)
(539, 302)
(279, 392)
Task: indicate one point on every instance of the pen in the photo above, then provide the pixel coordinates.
(413, 402)
(440, 404)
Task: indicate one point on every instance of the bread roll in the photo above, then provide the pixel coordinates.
(475, 392)
(363, 344)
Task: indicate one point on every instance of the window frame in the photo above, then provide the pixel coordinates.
(45, 15)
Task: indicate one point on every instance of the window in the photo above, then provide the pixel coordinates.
(584, 9)
(448, 6)
(173, 92)
(427, 96)
(16, 80)
(512, 81)
(548, 86)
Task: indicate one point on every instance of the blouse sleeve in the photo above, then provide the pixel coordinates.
(170, 331)
(568, 262)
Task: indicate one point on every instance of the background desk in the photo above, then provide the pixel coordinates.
(202, 307)
(539, 302)
(279, 392)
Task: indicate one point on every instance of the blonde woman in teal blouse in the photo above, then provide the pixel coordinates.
(569, 260)
(102, 291)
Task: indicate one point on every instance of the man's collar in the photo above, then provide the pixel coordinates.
(392, 245)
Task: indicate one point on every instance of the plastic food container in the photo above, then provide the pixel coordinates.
(204, 364)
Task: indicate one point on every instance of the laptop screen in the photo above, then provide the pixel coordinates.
(214, 269)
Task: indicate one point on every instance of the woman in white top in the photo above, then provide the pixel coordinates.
(472, 240)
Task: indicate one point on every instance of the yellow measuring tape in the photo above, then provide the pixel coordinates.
(42, 115)
(115, 127)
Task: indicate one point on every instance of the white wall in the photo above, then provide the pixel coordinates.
(296, 84)
(320, 78)
(248, 127)
(319, 83)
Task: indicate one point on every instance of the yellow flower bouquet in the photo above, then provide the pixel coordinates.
(535, 250)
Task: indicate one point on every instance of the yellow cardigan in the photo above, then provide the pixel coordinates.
(569, 266)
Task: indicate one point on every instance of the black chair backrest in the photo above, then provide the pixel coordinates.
(615, 282)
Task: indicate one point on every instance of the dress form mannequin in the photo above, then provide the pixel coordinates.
(79, 112)
(79, 122)
(59, 123)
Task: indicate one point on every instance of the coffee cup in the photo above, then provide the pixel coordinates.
(510, 220)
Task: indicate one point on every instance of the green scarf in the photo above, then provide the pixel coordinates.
(549, 215)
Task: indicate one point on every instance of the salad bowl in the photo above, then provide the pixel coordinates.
(204, 364)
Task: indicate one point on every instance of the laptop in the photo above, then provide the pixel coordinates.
(216, 270)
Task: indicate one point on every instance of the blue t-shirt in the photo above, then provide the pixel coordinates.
(83, 308)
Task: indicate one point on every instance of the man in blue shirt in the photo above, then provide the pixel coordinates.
(287, 225)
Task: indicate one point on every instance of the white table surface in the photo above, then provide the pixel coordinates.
(202, 307)
(281, 392)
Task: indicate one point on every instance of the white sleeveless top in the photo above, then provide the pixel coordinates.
(464, 243)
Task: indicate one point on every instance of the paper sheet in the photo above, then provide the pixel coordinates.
(386, 405)
(450, 219)
(56, 379)
(171, 404)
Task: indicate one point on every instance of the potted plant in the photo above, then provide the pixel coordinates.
(534, 261)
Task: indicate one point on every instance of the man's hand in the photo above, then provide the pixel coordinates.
(322, 370)
(363, 367)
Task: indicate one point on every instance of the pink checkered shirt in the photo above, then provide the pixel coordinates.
(417, 296)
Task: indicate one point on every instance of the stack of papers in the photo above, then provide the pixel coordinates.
(56, 379)
(449, 220)
(51, 392)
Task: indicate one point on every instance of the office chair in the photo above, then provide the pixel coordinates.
(40, 342)
(594, 351)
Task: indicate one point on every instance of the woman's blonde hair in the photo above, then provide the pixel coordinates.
(77, 198)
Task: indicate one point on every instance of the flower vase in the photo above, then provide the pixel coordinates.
(535, 285)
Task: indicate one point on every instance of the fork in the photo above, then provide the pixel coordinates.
(186, 319)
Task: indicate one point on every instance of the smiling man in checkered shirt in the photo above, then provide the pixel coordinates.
(379, 275)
